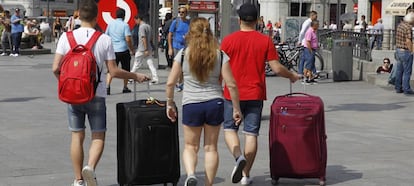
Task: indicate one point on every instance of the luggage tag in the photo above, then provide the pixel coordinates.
(150, 100)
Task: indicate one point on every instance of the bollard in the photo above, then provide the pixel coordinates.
(386, 40)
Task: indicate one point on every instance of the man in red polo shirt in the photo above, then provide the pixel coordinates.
(248, 51)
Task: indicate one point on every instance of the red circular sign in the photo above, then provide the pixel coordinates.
(107, 12)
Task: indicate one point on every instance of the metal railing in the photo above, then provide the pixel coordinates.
(363, 43)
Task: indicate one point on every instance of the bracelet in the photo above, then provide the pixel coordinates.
(170, 99)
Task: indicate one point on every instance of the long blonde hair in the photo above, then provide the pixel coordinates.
(202, 47)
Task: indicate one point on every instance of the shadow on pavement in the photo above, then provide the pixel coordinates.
(22, 99)
(339, 174)
(200, 177)
(367, 107)
(334, 174)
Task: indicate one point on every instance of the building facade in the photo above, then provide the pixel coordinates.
(34, 8)
(277, 10)
(390, 11)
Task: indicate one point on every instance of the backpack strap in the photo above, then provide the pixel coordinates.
(93, 40)
(89, 46)
(71, 39)
(221, 59)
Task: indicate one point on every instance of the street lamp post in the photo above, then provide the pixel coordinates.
(175, 8)
(47, 18)
(338, 13)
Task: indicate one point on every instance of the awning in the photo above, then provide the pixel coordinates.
(398, 7)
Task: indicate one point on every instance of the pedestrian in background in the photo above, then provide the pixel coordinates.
(269, 28)
(145, 48)
(386, 67)
(31, 34)
(45, 31)
(260, 25)
(6, 35)
(379, 31)
(76, 22)
(120, 34)
(404, 55)
(203, 68)
(176, 37)
(305, 26)
(57, 28)
(248, 68)
(165, 30)
(333, 26)
(311, 44)
(96, 108)
(363, 24)
(16, 32)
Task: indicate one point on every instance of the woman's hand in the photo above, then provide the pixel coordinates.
(171, 112)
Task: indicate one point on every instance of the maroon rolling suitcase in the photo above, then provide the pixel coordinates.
(297, 137)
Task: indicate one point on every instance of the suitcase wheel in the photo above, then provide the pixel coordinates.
(322, 181)
(174, 184)
(275, 181)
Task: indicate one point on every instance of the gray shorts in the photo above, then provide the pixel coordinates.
(96, 111)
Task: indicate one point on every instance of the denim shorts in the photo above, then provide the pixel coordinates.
(252, 116)
(198, 114)
(96, 111)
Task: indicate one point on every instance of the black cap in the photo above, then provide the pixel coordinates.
(247, 12)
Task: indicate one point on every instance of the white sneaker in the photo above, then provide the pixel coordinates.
(246, 180)
(190, 181)
(236, 175)
(154, 80)
(15, 55)
(179, 87)
(78, 183)
(3, 54)
(89, 176)
(11, 54)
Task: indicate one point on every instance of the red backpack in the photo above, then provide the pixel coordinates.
(78, 77)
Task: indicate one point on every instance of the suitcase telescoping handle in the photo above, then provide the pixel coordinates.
(135, 89)
(291, 93)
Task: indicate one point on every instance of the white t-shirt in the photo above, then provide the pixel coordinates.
(102, 50)
(305, 26)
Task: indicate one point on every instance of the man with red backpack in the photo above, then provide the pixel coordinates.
(103, 55)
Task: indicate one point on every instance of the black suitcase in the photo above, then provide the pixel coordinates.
(147, 144)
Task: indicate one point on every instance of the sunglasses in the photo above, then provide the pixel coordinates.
(181, 12)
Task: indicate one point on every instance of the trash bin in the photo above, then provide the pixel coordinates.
(342, 60)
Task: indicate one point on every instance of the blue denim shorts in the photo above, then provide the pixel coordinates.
(198, 114)
(96, 111)
(252, 113)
